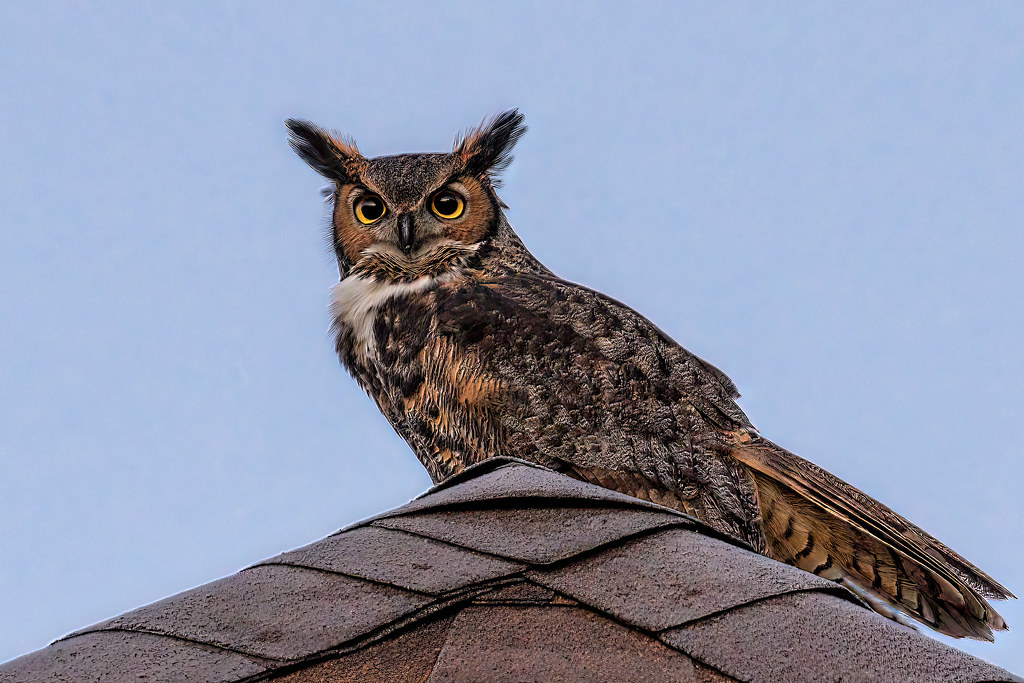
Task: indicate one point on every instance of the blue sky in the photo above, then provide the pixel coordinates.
(822, 199)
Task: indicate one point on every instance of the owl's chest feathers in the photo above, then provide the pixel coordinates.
(355, 304)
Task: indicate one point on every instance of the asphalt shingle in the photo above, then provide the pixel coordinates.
(128, 656)
(277, 612)
(503, 478)
(509, 572)
(674, 576)
(407, 658)
(536, 535)
(516, 644)
(522, 592)
(815, 636)
(400, 559)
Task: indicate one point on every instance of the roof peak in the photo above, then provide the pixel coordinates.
(508, 566)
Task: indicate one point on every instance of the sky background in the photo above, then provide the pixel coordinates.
(822, 199)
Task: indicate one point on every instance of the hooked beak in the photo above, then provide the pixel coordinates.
(405, 233)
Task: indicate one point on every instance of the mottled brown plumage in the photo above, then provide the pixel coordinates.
(472, 349)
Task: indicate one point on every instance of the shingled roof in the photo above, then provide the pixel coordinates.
(509, 572)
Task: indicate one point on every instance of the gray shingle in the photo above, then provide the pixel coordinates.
(503, 643)
(503, 478)
(400, 559)
(819, 637)
(521, 592)
(406, 658)
(650, 569)
(278, 612)
(117, 656)
(668, 578)
(536, 535)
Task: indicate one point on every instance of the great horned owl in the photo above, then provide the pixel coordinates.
(472, 348)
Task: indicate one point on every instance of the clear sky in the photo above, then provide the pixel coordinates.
(823, 199)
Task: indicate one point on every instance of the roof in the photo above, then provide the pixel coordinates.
(509, 572)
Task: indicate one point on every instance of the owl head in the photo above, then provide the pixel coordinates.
(406, 216)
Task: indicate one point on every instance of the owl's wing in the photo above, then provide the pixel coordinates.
(535, 313)
(591, 382)
(591, 386)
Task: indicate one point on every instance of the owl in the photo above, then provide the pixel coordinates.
(471, 349)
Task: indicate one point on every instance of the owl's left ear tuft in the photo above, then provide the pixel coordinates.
(331, 156)
(487, 151)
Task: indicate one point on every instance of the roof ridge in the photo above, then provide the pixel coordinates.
(552, 489)
(632, 563)
(478, 470)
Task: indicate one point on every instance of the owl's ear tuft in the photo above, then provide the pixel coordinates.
(487, 151)
(332, 156)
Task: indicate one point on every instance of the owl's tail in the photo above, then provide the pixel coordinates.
(816, 521)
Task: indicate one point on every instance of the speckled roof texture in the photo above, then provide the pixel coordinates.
(509, 572)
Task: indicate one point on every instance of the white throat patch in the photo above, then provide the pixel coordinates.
(354, 304)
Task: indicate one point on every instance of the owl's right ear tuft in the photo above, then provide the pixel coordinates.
(487, 150)
(331, 156)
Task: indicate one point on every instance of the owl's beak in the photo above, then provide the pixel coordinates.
(406, 234)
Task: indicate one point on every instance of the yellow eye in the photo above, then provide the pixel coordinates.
(369, 209)
(447, 204)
